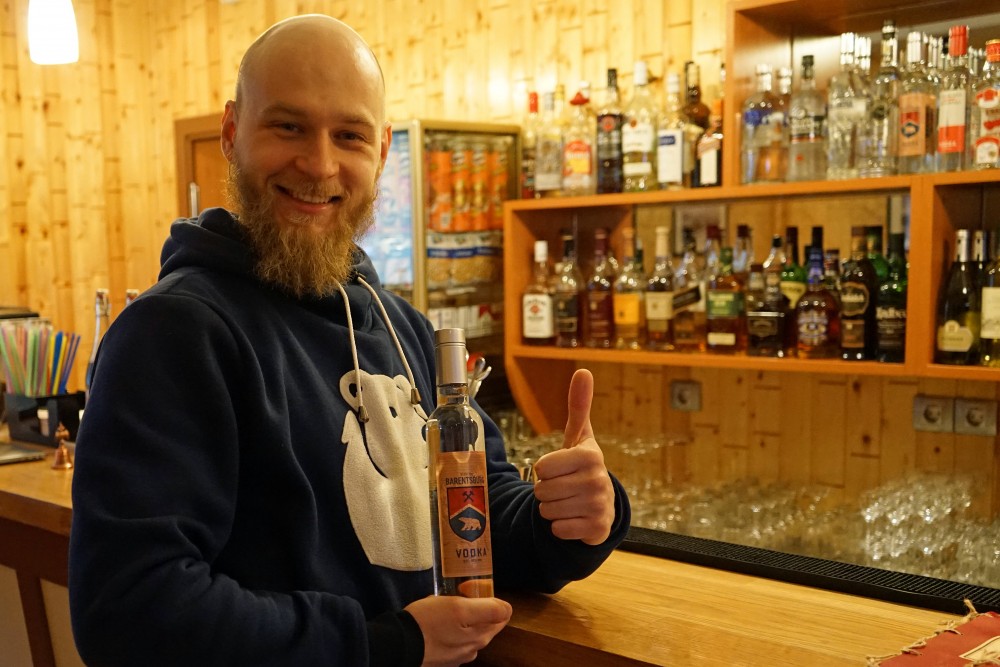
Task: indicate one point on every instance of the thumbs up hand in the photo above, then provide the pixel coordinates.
(574, 489)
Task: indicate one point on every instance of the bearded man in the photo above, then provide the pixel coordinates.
(251, 475)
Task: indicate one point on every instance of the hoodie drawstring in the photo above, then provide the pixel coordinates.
(414, 392)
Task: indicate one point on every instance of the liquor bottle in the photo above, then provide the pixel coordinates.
(766, 314)
(639, 136)
(568, 295)
(776, 259)
(742, 252)
(529, 147)
(989, 335)
(537, 313)
(764, 151)
(953, 103)
(689, 300)
(831, 272)
(807, 129)
(863, 59)
(873, 244)
(694, 109)
(708, 153)
(671, 142)
(549, 154)
(579, 176)
(793, 275)
(599, 325)
(131, 294)
(858, 293)
(660, 295)
(102, 320)
(917, 110)
(958, 311)
(725, 323)
(891, 304)
(459, 497)
(609, 138)
(878, 136)
(630, 312)
(847, 108)
(817, 320)
(985, 115)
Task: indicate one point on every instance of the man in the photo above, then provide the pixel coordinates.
(251, 484)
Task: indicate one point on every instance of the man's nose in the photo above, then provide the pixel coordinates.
(320, 159)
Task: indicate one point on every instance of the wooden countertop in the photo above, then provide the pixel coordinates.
(635, 610)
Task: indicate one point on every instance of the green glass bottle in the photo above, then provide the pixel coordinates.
(890, 311)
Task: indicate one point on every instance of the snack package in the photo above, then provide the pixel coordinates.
(972, 640)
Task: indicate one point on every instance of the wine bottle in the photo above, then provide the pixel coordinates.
(958, 312)
(459, 498)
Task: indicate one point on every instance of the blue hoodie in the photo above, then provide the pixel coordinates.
(230, 508)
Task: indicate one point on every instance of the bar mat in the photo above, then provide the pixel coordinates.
(904, 588)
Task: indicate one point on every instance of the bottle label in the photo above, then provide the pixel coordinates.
(723, 304)
(852, 334)
(548, 164)
(721, 339)
(538, 316)
(891, 323)
(463, 514)
(708, 162)
(659, 310)
(813, 327)
(578, 166)
(567, 307)
(627, 309)
(805, 128)
(670, 156)
(990, 323)
(688, 298)
(763, 325)
(854, 299)
(987, 148)
(847, 110)
(609, 137)
(793, 291)
(953, 337)
(638, 137)
(600, 316)
(914, 123)
(951, 121)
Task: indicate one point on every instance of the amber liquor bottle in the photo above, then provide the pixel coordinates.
(660, 295)
(858, 295)
(767, 314)
(599, 329)
(537, 312)
(724, 317)
(817, 321)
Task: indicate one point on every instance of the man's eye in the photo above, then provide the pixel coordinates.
(287, 127)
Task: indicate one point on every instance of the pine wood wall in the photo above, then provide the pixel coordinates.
(87, 174)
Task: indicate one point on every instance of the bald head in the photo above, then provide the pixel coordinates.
(322, 40)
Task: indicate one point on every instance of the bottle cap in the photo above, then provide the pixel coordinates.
(541, 253)
(641, 74)
(673, 83)
(993, 50)
(958, 40)
(451, 356)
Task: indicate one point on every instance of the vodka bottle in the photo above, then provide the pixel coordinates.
(102, 319)
(847, 104)
(529, 147)
(537, 311)
(985, 117)
(953, 103)
(609, 138)
(670, 139)
(639, 136)
(578, 146)
(660, 295)
(549, 154)
(878, 137)
(917, 110)
(807, 129)
(763, 149)
(630, 312)
(459, 497)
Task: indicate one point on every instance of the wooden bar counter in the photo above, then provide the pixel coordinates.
(635, 610)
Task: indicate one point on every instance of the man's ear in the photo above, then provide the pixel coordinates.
(386, 142)
(228, 137)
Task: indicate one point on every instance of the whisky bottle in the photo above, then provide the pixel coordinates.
(459, 497)
(873, 234)
(858, 293)
(958, 311)
(639, 136)
(890, 312)
(102, 319)
(660, 295)
(537, 313)
(599, 325)
(609, 138)
(567, 294)
(628, 296)
(724, 316)
(689, 300)
(817, 321)
(766, 314)
(917, 110)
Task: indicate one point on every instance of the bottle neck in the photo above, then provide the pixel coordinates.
(453, 394)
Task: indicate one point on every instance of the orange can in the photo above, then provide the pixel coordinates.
(497, 162)
(439, 202)
(479, 182)
(461, 188)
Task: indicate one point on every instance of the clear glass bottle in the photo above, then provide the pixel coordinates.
(766, 314)
(708, 153)
(102, 320)
(599, 323)
(529, 147)
(879, 133)
(917, 110)
(609, 138)
(764, 151)
(538, 325)
(579, 175)
(671, 141)
(958, 309)
(630, 311)
(457, 479)
(847, 107)
(890, 311)
(549, 154)
(985, 114)
(568, 295)
(807, 129)
(660, 296)
(725, 319)
(689, 300)
(953, 103)
(639, 135)
(817, 317)
(858, 293)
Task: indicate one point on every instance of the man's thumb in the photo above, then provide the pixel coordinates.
(581, 395)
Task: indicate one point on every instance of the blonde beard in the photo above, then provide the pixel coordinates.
(294, 258)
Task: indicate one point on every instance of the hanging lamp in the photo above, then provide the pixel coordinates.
(52, 33)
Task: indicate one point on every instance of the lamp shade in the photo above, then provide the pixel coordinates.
(52, 34)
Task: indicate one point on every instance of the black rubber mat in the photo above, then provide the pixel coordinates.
(912, 589)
